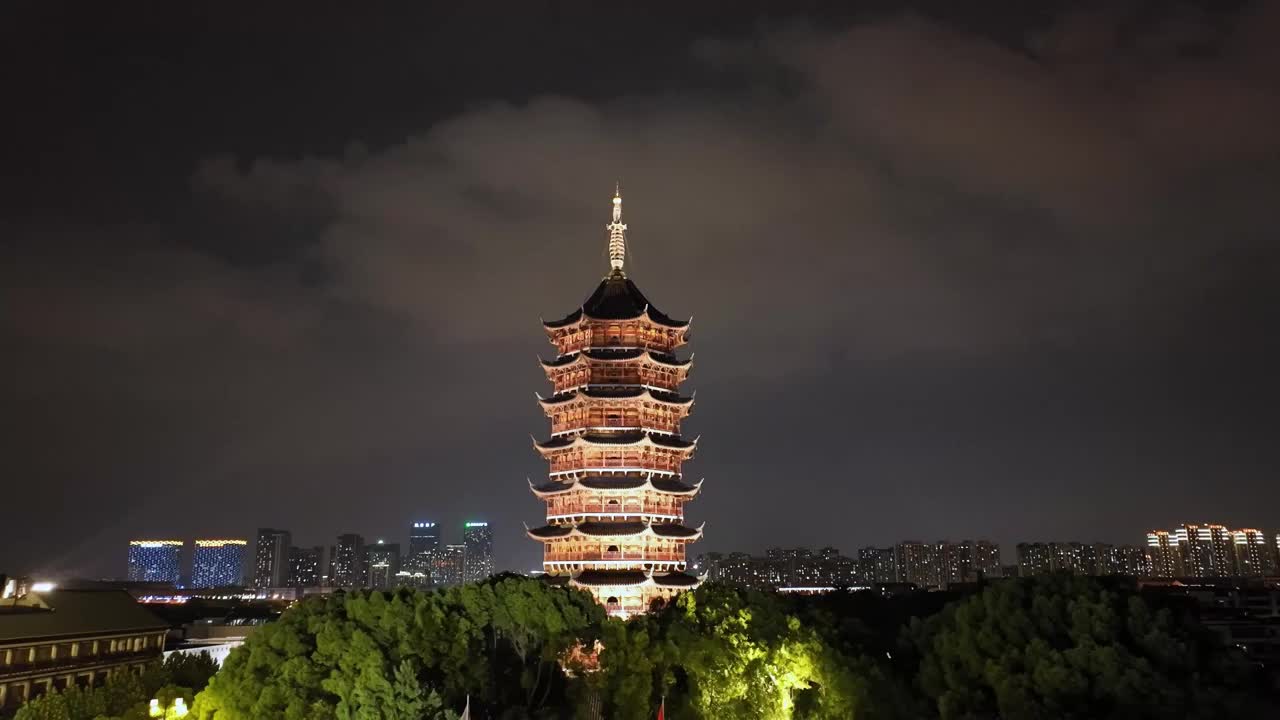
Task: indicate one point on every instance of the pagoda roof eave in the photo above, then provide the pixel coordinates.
(633, 578)
(666, 398)
(579, 317)
(608, 355)
(608, 484)
(640, 439)
(627, 529)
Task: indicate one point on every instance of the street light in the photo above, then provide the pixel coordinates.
(176, 710)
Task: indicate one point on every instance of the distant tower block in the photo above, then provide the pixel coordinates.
(616, 494)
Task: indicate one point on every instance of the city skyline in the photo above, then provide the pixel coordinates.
(1004, 270)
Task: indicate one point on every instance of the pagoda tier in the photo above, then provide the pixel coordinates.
(615, 498)
(599, 545)
(616, 408)
(634, 368)
(633, 452)
(617, 314)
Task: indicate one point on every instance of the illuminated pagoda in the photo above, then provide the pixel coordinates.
(615, 494)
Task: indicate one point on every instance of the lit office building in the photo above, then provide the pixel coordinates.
(271, 558)
(477, 539)
(155, 561)
(448, 566)
(304, 566)
(382, 564)
(218, 563)
(424, 540)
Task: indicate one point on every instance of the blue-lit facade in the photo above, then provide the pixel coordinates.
(218, 563)
(155, 561)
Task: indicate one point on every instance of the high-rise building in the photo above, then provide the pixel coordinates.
(382, 563)
(449, 565)
(918, 563)
(1192, 550)
(878, 564)
(271, 558)
(760, 573)
(967, 561)
(304, 566)
(424, 540)
(615, 493)
(1034, 559)
(218, 563)
(1071, 557)
(1206, 550)
(986, 560)
(1163, 557)
(346, 569)
(477, 562)
(1130, 560)
(155, 561)
(1253, 553)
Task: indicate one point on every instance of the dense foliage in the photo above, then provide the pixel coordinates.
(408, 654)
(1068, 647)
(125, 695)
(1055, 647)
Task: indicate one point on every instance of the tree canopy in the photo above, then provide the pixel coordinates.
(1056, 647)
(407, 654)
(125, 695)
(1071, 647)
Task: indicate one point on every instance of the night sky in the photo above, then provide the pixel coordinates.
(995, 273)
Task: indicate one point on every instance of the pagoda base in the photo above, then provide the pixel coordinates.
(623, 593)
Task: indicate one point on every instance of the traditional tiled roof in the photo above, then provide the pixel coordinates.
(617, 393)
(550, 531)
(604, 355)
(600, 578)
(593, 482)
(592, 528)
(630, 578)
(671, 530)
(617, 298)
(676, 579)
(610, 529)
(78, 613)
(638, 437)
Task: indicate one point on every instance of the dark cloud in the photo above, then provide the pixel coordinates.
(947, 280)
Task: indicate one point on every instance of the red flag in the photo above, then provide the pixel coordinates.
(662, 710)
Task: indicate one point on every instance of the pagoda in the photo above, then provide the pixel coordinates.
(616, 493)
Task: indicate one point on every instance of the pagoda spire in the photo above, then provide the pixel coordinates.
(617, 234)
